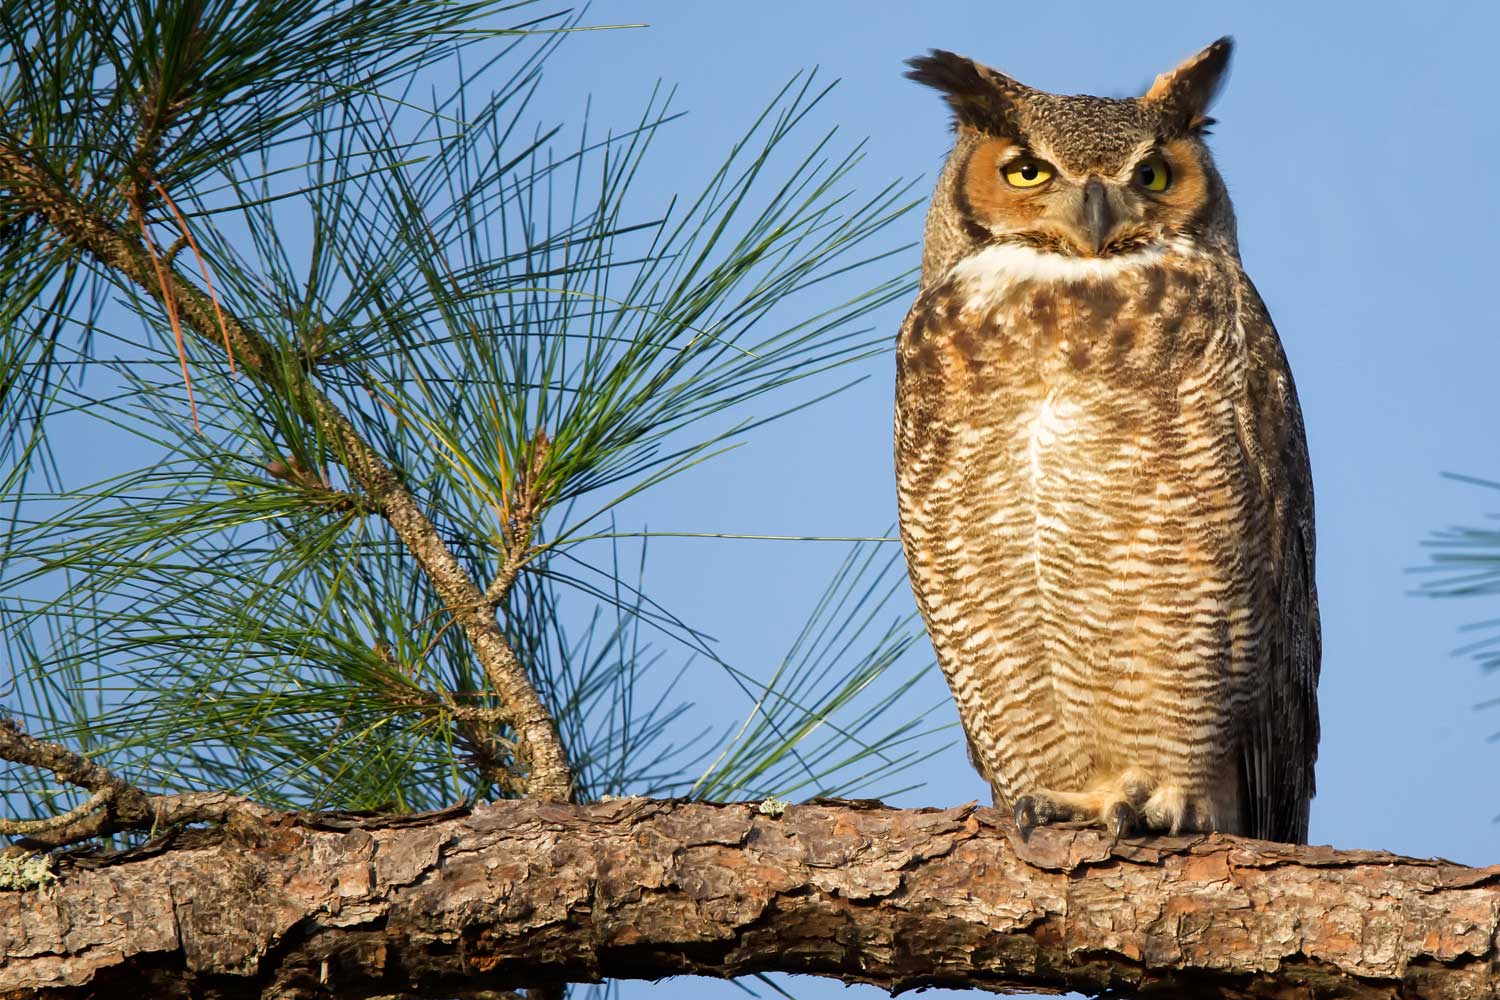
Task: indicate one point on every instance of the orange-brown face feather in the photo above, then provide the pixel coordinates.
(1185, 198)
(1052, 215)
(989, 196)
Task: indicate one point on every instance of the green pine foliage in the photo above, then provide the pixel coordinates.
(1466, 563)
(533, 342)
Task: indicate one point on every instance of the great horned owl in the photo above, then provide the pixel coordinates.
(1104, 487)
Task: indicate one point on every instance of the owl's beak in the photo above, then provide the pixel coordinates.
(1097, 216)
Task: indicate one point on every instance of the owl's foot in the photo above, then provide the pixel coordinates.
(1121, 819)
(1128, 805)
(1044, 808)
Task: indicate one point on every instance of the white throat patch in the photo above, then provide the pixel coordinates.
(998, 267)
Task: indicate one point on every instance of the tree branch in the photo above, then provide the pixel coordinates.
(529, 893)
(549, 777)
(115, 804)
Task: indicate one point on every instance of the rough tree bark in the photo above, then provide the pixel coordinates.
(523, 893)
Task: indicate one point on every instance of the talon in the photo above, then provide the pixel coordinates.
(1121, 819)
(1188, 820)
(1025, 815)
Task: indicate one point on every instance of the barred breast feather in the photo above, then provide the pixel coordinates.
(1107, 513)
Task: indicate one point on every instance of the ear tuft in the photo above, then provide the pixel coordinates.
(1185, 93)
(980, 97)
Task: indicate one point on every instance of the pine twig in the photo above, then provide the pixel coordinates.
(111, 795)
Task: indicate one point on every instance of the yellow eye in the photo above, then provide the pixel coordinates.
(1025, 173)
(1153, 174)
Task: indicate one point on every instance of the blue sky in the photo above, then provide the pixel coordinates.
(1358, 151)
(1358, 142)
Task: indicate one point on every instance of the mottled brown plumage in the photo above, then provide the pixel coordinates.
(1103, 479)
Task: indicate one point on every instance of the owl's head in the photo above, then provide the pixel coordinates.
(1076, 175)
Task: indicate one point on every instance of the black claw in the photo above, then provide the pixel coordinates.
(1025, 816)
(1189, 820)
(1122, 819)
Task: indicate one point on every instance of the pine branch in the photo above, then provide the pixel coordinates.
(532, 894)
(549, 776)
(114, 803)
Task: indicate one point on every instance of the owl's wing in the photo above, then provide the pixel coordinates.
(1281, 741)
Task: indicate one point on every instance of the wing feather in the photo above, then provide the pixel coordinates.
(1280, 743)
